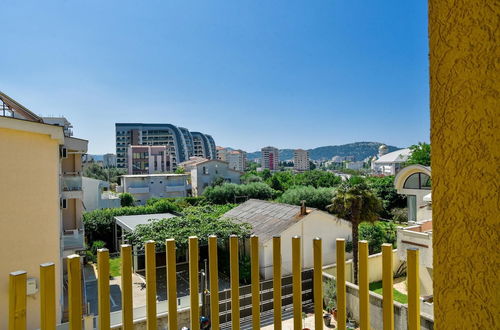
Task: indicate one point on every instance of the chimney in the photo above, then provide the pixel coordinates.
(303, 209)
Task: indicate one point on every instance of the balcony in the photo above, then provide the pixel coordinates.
(73, 239)
(72, 187)
(138, 190)
(418, 236)
(177, 188)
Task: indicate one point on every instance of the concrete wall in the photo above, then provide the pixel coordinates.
(157, 185)
(315, 224)
(30, 215)
(465, 125)
(374, 266)
(201, 179)
(376, 312)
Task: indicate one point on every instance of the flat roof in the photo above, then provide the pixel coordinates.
(129, 222)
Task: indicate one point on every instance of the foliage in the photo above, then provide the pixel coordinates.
(126, 199)
(218, 181)
(91, 252)
(330, 294)
(399, 215)
(181, 202)
(378, 233)
(383, 187)
(180, 170)
(354, 201)
(314, 197)
(250, 177)
(420, 154)
(100, 173)
(99, 223)
(229, 192)
(245, 270)
(200, 221)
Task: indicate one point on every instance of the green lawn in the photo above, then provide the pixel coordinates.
(398, 296)
(114, 267)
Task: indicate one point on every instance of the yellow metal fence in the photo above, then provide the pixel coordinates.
(17, 287)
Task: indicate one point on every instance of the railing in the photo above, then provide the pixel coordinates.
(72, 183)
(17, 287)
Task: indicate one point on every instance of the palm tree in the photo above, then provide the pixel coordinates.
(355, 202)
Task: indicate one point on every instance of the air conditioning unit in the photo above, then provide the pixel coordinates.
(64, 203)
(63, 152)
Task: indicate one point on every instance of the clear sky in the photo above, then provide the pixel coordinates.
(250, 73)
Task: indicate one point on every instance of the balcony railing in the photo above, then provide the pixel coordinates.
(72, 183)
(17, 288)
(74, 239)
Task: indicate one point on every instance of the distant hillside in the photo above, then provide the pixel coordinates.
(360, 150)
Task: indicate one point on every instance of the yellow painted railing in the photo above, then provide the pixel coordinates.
(17, 287)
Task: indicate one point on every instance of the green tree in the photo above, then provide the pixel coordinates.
(111, 174)
(230, 192)
(420, 154)
(383, 187)
(180, 170)
(355, 203)
(315, 197)
(126, 199)
(378, 233)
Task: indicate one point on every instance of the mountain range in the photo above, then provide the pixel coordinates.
(360, 151)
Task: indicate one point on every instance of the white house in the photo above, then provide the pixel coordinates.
(205, 171)
(414, 181)
(96, 195)
(145, 186)
(270, 219)
(391, 163)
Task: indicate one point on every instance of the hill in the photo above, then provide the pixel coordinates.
(360, 150)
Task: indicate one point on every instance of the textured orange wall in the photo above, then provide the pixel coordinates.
(465, 114)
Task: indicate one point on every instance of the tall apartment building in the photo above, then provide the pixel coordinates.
(269, 158)
(41, 200)
(301, 160)
(148, 159)
(180, 142)
(237, 159)
(109, 160)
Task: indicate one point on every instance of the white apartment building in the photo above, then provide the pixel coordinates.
(205, 171)
(237, 159)
(301, 160)
(145, 186)
(270, 158)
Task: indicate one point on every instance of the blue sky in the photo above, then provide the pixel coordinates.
(250, 73)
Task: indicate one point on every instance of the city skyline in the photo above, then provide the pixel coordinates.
(291, 75)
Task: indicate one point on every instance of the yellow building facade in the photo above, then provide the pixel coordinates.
(465, 93)
(30, 216)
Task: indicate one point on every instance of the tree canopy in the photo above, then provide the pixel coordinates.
(420, 154)
(230, 192)
(100, 173)
(314, 197)
(201, 221)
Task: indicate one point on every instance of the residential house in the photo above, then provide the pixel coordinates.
(97, 195)
(270, 219)
(389, 163)
(145, 186)
(204, 172)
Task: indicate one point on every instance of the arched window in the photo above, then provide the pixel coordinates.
(418, 181)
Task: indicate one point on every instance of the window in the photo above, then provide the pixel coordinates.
(418, 181)
(412, 207)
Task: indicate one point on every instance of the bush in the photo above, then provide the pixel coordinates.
(378, 233)
(99, 223)
(399, 215)
(92, 252)
(314, 197)
(228, 192)
(126, 199)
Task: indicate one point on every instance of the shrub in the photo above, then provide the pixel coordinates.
(399, 215)
(92, 252)
(378, 233)
(99, 223)
(126, 199)
(314, 197)
(228, 192)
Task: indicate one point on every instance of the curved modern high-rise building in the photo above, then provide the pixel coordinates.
(180, 142)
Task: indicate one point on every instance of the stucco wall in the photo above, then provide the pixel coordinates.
(315, 224)
(464, 95)
(30, 215)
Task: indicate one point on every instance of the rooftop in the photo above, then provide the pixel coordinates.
(152, 175)
(398, 156)
(266, 218)
(129, 222)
